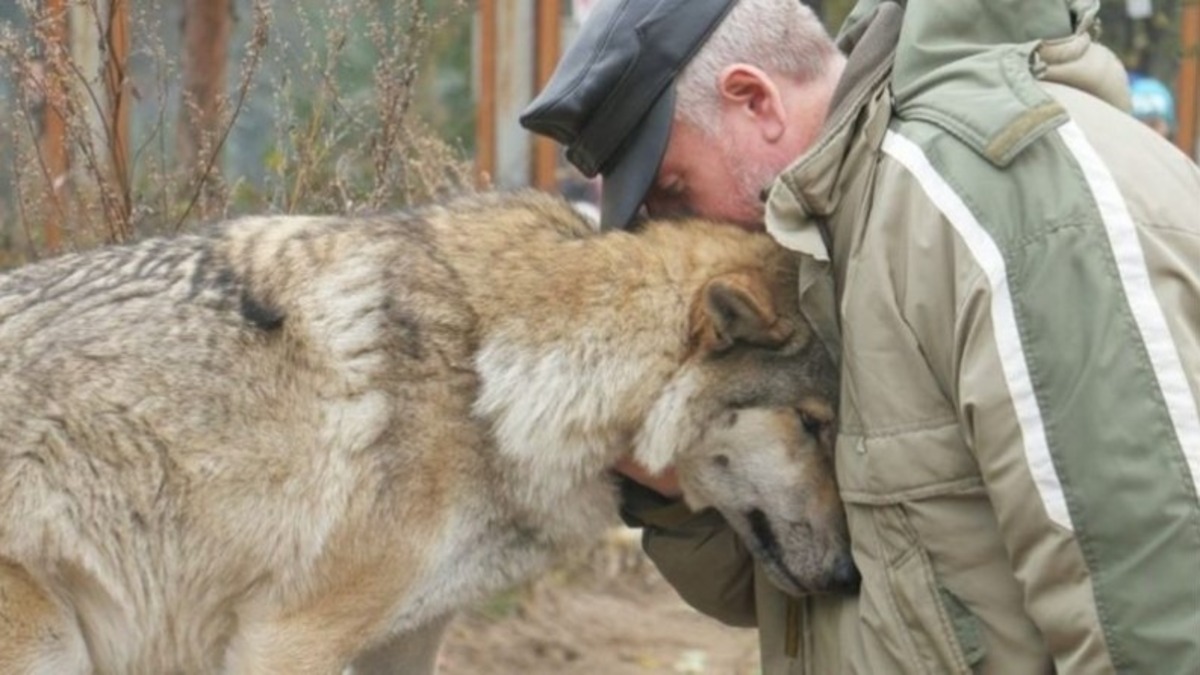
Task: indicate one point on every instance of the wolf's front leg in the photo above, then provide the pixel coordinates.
(285, 649)
(37, 638)
(411, 653)
(321, 639)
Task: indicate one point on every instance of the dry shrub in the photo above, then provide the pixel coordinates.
(319, 116)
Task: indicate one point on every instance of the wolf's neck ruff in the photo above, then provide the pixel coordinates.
(568, 394)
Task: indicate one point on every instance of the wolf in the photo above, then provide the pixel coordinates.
(297, 444)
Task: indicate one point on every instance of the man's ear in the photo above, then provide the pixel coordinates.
(752, 92)
(736, 308)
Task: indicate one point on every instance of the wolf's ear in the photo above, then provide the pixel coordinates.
(737, 308)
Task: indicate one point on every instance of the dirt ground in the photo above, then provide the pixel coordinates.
(607, 613)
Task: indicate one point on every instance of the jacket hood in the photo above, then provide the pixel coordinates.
(972, 66)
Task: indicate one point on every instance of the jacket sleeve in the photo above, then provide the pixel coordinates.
(1043, 545)
(696, 552)
(1059, 316)
(1075, 423)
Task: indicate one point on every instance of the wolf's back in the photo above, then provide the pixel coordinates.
(258, 314)
(139, 378)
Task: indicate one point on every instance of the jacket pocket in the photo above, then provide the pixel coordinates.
(942, 633)
(966, 628)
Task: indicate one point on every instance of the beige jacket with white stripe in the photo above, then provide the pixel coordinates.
(1009, 267)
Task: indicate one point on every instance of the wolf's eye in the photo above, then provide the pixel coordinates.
(721, 461)
(811, 424)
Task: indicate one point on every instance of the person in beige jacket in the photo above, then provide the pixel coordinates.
(1007, 265)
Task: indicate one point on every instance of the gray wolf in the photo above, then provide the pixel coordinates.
(299, 444)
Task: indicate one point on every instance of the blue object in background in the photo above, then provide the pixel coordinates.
(1152, 100)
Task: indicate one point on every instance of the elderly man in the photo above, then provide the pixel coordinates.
(1008, 265)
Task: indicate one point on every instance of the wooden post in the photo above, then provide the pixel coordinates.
(514, 72)
(549, 31)
(207, 27)
(1187, 98)
(86, 21)
(485, 106)
(116, 37)
(53, 143)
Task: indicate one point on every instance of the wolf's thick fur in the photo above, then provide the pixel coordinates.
(296, 442)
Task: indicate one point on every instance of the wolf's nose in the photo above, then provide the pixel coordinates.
(845, 574)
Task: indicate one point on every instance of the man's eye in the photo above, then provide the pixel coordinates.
(668, 199)
(671, 188)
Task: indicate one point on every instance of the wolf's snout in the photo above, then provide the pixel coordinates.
(845, 575)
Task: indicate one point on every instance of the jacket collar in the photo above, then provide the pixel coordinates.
(969, 67)
(810, 189)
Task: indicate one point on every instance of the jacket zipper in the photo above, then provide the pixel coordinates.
(791, 641)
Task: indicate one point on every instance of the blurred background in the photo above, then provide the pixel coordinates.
(124, 118)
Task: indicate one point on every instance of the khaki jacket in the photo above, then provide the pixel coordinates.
(1009, 267)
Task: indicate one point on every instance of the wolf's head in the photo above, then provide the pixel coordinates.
(748, 424)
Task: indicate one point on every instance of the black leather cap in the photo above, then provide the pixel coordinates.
(612, 97)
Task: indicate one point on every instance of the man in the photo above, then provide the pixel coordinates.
(1015, 267)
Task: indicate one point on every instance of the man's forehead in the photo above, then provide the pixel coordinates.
(683, 139)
